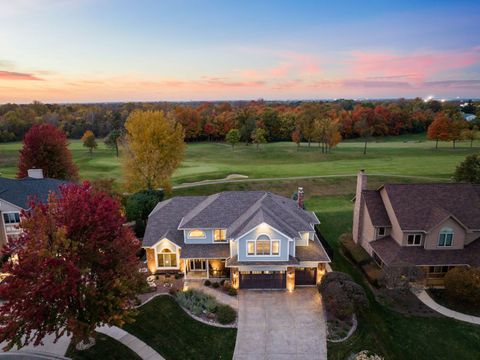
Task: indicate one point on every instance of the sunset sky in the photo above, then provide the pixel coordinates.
(106, 50)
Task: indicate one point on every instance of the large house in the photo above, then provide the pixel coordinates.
(433, 226)
(15, 196)
(255, 238)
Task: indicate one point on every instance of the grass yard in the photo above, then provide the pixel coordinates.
(404, 155)
(382, 330)
(105, 348)
(164, 326)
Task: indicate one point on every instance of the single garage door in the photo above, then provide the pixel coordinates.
(263, 280)
(305, 276)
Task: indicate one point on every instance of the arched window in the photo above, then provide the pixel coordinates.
(197, 234)
(166, 258)
(445, 237)
(263, 246)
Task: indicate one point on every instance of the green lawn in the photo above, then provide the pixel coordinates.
(382, 330)
(164, 326)
(407, 155)
(105, 348)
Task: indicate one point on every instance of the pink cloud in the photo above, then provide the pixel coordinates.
(417, 67)
(11, 75)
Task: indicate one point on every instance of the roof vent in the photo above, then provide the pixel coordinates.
(35, 173)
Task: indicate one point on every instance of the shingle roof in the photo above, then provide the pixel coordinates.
(376, 208)
(422, 206)
(233, 261)
(236, 211)
(205, 251)
(20, 192)
(313, 252)
(391, 253)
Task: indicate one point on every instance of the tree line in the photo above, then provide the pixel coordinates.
(323, 122)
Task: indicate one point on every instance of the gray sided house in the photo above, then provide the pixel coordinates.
(255, 238)
(432, 226)
(15, 196)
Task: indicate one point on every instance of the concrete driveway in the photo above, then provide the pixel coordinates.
(278, 325)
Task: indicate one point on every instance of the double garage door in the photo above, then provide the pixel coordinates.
(263, 280)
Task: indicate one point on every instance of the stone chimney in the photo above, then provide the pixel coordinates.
(35, 173)
(359, 208)
(300, 197)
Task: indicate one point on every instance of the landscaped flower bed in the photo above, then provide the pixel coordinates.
(223, 285)
(206, 307)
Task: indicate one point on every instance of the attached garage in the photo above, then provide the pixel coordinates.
(306, 276)
(263, 280)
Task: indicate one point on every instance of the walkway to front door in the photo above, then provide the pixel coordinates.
(281, 325)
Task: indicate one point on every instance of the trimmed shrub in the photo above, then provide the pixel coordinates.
(354, 251)
(341, 295)
(226, 314)
(227, 285)
(373, 273)
(216, 285)
(196, 301)
(463, 284)
(178, 276)
(222, 282)
(232, 291)
(207, 283)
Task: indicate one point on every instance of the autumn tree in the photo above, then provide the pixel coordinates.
(457, 125)
(439, 129)
(89, 140)
(233, 138)
(113, 138)
(469, 169)
(45, 147)
(76, 269)
(297, 137)
(259, 137)
(471, 134)
(189, 118)
(153, 149)
(363, 124)
(306, 121)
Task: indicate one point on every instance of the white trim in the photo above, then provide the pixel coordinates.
(445, 231)
(196, 237)
(220, 241)
(177, 255)
(264, 223)
(316, 217)
(271, 240)
(415, 234)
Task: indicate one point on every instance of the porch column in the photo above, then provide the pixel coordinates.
(208, 269)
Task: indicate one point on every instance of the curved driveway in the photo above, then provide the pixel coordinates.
(280, 325)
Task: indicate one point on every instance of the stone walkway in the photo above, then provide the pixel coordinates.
(427, 300)
(135, 344)
(279, 325)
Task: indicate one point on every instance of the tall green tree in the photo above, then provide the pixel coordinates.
(233, 138)
(113, 138)
(89, 141)
(259, 137)
(469, 170)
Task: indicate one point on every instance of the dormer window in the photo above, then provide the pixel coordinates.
(197, 234)
(414, 239)
(445, 237)
(381, 231)
(11, 217)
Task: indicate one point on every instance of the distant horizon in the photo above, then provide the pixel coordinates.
(99, 51)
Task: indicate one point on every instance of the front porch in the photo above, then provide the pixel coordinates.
(206, 269)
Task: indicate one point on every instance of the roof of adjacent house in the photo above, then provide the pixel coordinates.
(391, 253)
(20, 192)
(236, 211)
(423, 206)
(376, 209)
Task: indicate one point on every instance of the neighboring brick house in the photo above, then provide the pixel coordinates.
(15, 196)
(255, 238)
(433, 226)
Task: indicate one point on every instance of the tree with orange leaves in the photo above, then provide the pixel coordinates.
(440, 128)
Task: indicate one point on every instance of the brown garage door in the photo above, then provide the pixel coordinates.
(263, 280)
(305, 276)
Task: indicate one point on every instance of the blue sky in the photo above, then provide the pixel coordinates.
(105, 50)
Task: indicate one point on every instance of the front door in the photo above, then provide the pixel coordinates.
(198, 265)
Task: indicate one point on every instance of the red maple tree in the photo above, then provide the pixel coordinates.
(440, 128)
(75, 269)
(45, 147)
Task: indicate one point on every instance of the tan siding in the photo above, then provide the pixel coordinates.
(368, 230)
(431, 239)
(396, 232)
(152, 266)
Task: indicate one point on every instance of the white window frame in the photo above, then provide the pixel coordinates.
(264, 255)
(197, 237)
(445, 232)
(169, 252)
(11, 212)
(220, 241)
(384, 231)
(414, 237)
(254, 247)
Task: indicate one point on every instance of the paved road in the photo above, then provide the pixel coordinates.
(277, 325)
(226, 181)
